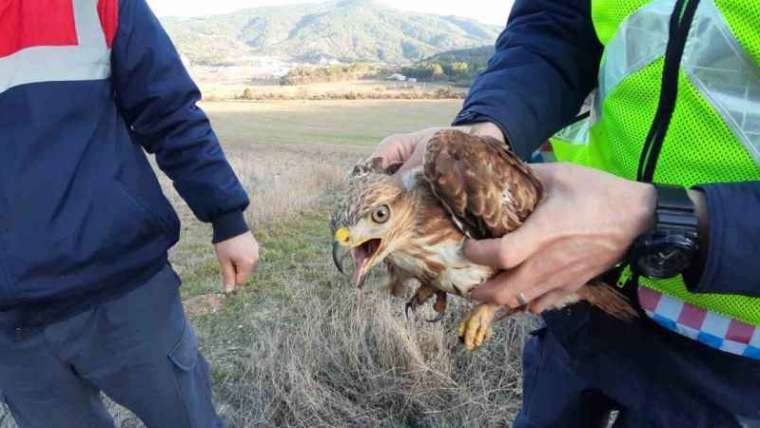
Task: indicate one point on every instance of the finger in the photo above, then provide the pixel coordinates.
(509, 251)
(487, 252)
(561, 296)
(550, 300)
(534, 281)
(243, 272)
(393, 150)
(491, 290)
(397, 149)
(526, 279)
(415, 160)
(228, 276)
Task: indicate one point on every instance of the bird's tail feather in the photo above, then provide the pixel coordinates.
(608, 299)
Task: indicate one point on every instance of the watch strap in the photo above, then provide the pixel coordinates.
(675, 210)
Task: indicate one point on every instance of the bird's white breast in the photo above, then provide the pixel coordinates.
(459, 275)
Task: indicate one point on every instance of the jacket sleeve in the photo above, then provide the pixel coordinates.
(732, 264)
(545, 65)
(158, 100)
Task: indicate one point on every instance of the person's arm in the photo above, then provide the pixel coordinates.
(731, 241)
(545, 65)
(158, 100)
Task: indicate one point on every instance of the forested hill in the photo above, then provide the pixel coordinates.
(345, 30)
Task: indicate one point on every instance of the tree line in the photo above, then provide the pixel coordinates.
(459, 67)
(330, 73)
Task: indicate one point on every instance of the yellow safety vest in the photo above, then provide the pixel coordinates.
(714, 134)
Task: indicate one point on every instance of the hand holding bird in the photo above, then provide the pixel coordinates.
(407, 151)
(585, 224)
(417, 222)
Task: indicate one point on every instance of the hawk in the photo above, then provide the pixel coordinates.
(417, 222)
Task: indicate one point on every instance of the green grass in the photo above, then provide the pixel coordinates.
(290, 251)
(357, 123)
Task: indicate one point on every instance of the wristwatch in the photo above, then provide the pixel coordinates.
(669, 248)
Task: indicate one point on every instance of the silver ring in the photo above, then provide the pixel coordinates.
(522, 300)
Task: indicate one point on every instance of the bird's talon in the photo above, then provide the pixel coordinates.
(410, 306)
(421, 296)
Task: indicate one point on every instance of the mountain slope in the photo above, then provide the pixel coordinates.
(345, 30)
(478, 56)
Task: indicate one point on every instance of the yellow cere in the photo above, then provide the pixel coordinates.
(342, 235)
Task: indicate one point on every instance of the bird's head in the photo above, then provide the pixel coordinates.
(370, 221)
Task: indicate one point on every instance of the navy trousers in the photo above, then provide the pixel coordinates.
(139, 349)
(583, 364)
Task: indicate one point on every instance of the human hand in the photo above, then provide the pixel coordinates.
(238, 257)
(584, 226)
(409, 149)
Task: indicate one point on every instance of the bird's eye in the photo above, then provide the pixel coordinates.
(381, 214)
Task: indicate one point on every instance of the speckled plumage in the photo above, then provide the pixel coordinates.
(468, 187)
(425, 242)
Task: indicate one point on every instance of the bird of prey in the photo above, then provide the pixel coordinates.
(417, 222)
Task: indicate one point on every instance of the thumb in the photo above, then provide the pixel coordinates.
(228, 276)
(397, 149)
(415, 159)
(506, 252)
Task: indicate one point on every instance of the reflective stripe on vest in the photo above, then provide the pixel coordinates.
(708, 327)
(714, 137)
(87, 59)
(713, 60)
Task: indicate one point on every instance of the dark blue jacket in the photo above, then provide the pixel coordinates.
(545, 65)
(82, 216)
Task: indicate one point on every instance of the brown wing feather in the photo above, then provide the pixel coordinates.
(488, 189)
(490, 192)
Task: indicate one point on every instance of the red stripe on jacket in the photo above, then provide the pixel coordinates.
(29, 23)
(108, 10)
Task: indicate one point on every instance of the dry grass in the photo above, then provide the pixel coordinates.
(356, 89)
(299, 347)
(444, 93)
(309, 350)
(342, 358)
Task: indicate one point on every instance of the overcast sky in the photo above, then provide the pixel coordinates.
(489, 11)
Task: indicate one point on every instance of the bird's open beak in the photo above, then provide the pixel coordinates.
(363, 253)
(341, 244)
(339, 254)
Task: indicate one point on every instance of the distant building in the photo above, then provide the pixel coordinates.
(397, 77)
(323, 60)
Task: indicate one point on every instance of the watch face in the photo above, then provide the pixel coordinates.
(665, 262)
(670, 247)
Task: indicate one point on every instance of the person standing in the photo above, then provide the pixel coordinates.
(88, 300)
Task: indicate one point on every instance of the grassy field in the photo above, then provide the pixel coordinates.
(298, 346)
(221, 89)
